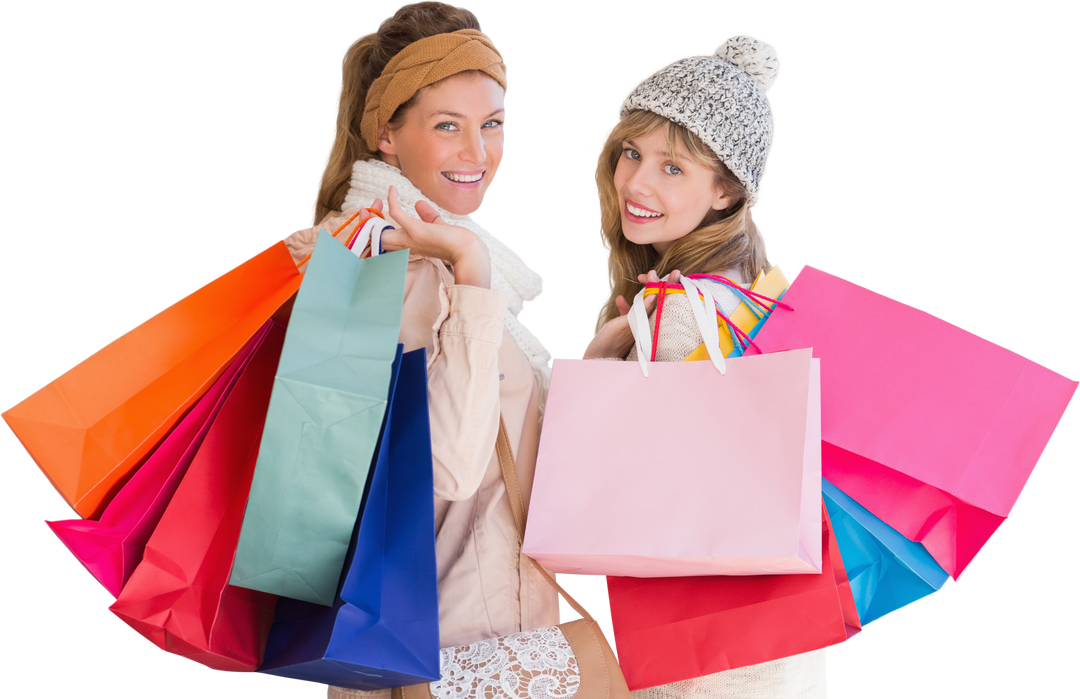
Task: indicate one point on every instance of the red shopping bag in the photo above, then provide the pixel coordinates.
(89, 429)
(673, 629)
(930, 428)
(178, 596)
(111, 547)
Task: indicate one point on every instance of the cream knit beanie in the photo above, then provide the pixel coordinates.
(724, 96)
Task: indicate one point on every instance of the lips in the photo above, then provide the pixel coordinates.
(636, 213)
(465, 179)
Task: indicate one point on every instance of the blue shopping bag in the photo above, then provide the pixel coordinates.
(383, 628)
(886, 570)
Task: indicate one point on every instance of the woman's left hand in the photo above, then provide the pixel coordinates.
(652, 276)
(430, 236)
(615, 339)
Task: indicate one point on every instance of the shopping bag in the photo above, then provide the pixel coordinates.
(683, 472)
(90, 428)
(179, 597)
(929, 427)
(111, 547)
(322, 425)
(674, 629)
(383, 629)
(886, 571)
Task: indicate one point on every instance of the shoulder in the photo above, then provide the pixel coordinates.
(721, 292)
(302, 242)
(725, 297)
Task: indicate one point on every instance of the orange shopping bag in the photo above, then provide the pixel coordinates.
(90, 429)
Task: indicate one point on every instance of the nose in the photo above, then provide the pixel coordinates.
(473, 150)
(640, 182)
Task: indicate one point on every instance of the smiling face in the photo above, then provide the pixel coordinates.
(663, 196)
(450, 141)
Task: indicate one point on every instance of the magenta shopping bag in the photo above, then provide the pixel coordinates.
(111, 547)
(684, 472)
(927, 426)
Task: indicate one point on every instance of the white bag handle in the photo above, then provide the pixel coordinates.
(376, 237)
(371, 231)
(704, 310)
(639, 327)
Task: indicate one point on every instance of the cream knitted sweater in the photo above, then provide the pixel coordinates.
(796, 677)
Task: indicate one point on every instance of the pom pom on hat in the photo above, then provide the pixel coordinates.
(755, 58)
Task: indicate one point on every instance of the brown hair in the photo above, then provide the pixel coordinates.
(723, 240)
(363, 63)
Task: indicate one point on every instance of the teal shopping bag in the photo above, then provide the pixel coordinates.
(326, 409)
(383, 630)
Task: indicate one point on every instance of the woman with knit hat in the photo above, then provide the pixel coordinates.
(420, 123)
(677, 177)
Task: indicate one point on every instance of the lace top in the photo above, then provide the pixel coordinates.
(531, 665)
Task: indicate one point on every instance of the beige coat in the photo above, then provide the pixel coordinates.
(475, 371)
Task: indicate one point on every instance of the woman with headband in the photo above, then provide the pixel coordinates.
(420, 123)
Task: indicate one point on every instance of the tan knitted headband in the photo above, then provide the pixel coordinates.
(423, 63)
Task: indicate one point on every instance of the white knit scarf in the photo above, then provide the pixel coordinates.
(371, 179)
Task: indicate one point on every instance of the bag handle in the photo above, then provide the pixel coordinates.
(352, 236)
(639, 328)
(517, 505)
(738, 337)
(703, 306)
(761, 300)
(758, 304)
(369, 236)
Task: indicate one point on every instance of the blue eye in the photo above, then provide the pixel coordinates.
(631, 153)
(672, 169)
(494, 123)
(446, 126)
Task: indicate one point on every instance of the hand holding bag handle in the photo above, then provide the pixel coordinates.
(749, 315)
(703, 306)
(366, 240)
(598, 672)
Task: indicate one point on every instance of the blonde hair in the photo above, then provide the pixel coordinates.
(723, 240)
(363, 63)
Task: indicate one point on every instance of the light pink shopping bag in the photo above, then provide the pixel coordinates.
(932, 429)
(684, 472)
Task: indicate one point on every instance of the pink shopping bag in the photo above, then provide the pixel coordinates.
(111, 547)
(684, 472)
(932, 429)
(178, 597)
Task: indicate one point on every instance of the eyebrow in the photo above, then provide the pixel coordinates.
(456, 115)
(661, 153)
